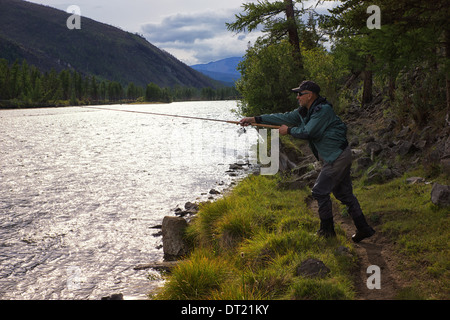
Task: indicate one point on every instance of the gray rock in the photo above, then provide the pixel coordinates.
(440, 195)
(445, 163)
(414, 180)
(191, 207)
(214, 191)
(118, 296)
(405, 147)
(313, 268)
(363, 163)
(373, 148)
(174, 244)
(165, 266)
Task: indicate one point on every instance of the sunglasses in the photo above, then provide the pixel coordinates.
(299, 94)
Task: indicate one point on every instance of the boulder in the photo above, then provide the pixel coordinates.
(440, 195)
(405, 147)
(373, 149)
(174, 244)
(363, 163)
(313, 268)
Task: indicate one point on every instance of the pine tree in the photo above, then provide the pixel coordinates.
(267, 15)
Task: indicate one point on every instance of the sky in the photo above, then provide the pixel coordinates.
(193, 31)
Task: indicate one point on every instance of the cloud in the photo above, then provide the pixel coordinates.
(198, 37)
(187, 27)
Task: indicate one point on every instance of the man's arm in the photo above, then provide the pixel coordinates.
(315, 127)
(289, 118)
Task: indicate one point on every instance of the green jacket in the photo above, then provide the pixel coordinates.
(325, 131)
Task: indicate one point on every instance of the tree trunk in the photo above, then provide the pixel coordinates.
(293, 34)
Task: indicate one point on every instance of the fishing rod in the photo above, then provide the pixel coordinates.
(184, 117)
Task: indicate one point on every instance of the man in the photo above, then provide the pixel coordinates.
(316, 122)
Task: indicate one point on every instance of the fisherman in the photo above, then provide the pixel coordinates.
(317, 122)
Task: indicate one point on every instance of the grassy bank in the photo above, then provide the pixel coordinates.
(419, 231)
(250, 244)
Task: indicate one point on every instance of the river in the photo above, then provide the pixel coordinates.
(81, 189)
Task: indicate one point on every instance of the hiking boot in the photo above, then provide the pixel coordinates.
(363, 230)
(326, 229)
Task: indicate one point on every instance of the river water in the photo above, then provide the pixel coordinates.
(81, 189)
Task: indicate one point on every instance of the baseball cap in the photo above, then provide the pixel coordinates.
(308, 85)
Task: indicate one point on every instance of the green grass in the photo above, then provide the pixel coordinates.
(249, 244)
(420, 231)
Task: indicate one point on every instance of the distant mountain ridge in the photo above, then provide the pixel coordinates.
(224, 70)
(40, 35)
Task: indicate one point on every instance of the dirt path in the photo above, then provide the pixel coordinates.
(375, 251)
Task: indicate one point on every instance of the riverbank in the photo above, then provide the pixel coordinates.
(256, 242)
(259, 241)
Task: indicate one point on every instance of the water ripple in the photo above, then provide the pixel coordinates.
(81, 189)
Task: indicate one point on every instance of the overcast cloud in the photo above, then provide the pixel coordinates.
(194, 31)
(198, 37)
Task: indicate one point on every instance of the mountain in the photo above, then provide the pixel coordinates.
(224, 70)
(40, 35)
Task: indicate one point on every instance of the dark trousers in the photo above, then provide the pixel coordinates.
(335, 178)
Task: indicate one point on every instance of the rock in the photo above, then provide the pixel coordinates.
(214, 191)
(373, 148)
(301, 170)
(343, 251)
(357, 152)
(236, 166)
(363, 163)
(447, 148)
(285, 164)
(313, 268)
(166, 266)
(378, 174)
(404, 132)
(445, 163)
(405, 147)
(157, 234)
(420, 145)
(440, 195)
(354, 142)
(414, 180)
(174, 245)
(118, 296)
(191, 207)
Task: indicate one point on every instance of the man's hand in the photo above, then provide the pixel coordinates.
(283, 130)
(247, 121)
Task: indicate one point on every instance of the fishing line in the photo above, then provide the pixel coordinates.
(183, 117)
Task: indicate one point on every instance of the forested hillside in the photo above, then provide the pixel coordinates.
(40, 35)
